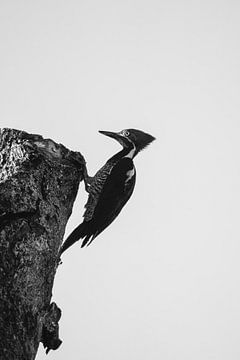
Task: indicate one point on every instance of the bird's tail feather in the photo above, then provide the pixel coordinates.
(87, 241)
(79, 233)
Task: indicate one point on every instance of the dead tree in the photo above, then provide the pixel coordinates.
(39, 181)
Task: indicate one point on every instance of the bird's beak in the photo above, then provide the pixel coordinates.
(110, 134)
(117, 136)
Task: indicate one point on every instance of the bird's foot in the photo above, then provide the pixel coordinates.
(87, 179)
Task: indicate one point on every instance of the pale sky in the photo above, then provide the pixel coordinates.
(162, 282)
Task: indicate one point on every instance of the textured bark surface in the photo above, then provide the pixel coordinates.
(39, 180)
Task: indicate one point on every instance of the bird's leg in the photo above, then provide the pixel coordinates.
(78, 160)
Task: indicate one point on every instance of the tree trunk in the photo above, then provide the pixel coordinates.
(39, 181)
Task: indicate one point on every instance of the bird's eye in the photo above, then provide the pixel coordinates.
(125, 133)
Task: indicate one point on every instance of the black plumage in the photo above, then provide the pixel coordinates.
(110, 188)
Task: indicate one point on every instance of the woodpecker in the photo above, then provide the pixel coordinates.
(110, 188)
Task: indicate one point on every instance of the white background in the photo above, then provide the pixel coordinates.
(162, 282)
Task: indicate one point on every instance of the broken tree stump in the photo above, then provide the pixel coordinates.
(39, 181)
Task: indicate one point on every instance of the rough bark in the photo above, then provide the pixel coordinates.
(39, 180)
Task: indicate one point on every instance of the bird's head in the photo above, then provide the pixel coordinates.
(131, 139)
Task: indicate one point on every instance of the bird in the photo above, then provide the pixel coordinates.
(111, 187)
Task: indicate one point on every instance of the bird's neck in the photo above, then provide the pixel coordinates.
(128, 152)
(131, 150)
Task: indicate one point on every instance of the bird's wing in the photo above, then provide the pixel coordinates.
(95, 190)
(116, 191)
